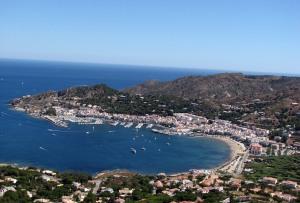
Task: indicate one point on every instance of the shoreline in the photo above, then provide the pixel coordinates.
(235, 150)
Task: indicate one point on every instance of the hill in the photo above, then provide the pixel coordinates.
(262, 100)
(227, 87)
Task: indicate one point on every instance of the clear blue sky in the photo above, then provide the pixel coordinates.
(252, 35)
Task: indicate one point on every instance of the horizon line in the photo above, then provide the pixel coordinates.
(246, 72)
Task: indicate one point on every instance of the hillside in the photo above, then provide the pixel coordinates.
(228, 87)
(263, 100)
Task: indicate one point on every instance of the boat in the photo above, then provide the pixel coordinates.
(133, 151)
(115, 123)
(98, 122)
(149, 125)
(87, 132)
(139, 125)
(128, 125)
(143, 148)
(168, 143)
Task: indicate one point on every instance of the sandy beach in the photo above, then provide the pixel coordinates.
(236, 150)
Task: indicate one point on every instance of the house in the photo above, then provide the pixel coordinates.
(269, 180)
(10, 179)
(42, 200)
(209, 181)
(289, 184)
(158, 184)
(235, 183)
(256, 149)
(48, 172)
(125, 192)
(119, 200)
(67, 199)
(105, 189)
(284, 197)
(49, 178)
(243, 198)
(6, 189)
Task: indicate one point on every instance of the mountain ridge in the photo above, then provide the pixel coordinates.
(225, 86)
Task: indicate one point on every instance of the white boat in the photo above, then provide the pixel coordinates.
(128, 125)
(115, 123)
(143, 148)
(133, 150)
(139, 125)
(149, 125)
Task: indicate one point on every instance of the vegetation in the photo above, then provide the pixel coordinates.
(31, 180)
(281, 167)
(51, 112)
(70, 177)
(12, 197)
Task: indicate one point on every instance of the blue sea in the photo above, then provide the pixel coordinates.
(33, 142)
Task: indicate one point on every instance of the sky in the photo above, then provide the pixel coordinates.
(241, 35)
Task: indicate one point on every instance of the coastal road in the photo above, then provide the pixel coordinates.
(240, 165)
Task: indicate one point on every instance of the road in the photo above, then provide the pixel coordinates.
(97, 185)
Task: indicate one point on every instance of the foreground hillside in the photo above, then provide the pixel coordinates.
(258, 184)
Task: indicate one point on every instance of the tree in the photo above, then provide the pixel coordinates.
(90, 198)
(18, 196)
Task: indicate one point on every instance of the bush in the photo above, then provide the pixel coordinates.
(185, 196)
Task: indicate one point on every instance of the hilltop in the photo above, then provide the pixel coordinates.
(227, 87)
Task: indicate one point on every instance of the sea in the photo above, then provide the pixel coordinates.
(28, 141)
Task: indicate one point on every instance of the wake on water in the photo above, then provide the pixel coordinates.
(42, 148)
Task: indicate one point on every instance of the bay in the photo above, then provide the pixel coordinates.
(29, 141)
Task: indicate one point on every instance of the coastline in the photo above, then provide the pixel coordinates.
(235, 150)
